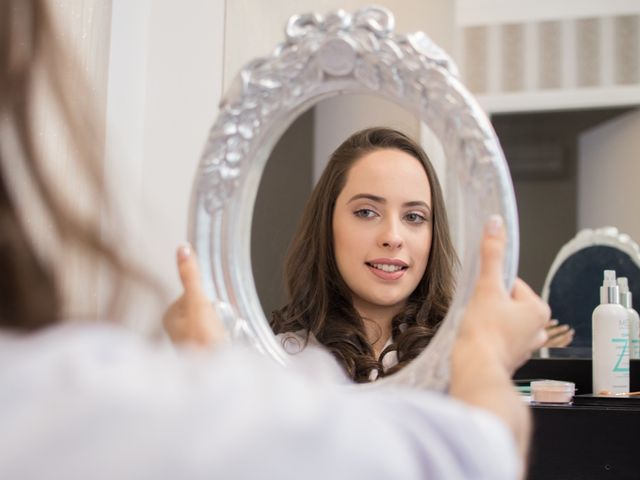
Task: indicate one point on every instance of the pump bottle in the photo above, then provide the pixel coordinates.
(626, 300)
(610, 351)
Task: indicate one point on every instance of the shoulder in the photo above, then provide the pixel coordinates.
(104, 392)
(455, 440)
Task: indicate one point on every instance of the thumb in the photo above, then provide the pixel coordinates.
(492, 250)
(188, 270)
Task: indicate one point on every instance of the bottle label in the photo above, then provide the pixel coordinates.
(610, 328)
(622, 349)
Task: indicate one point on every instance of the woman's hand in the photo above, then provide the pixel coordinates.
(499, 331)
(192, 319)
(559, 335)
(510, 324)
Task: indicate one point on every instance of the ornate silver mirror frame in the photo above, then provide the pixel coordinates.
(324, 56)
(587, 237)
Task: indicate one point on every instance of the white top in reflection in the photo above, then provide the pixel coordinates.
(293, 344)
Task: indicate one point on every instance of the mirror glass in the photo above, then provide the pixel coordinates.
(296, 163)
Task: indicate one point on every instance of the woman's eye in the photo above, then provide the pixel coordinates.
(365, 213)
(415, 217)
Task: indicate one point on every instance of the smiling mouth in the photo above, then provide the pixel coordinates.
(385, 267)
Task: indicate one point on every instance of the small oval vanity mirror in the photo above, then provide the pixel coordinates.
(572, 286)
(323, 57)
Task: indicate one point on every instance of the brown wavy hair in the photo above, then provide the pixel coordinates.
(319, 299)
(32, 61)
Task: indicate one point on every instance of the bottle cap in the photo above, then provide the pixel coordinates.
(625, 295)
(609, 291)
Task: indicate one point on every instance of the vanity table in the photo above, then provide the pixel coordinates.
(595, 438)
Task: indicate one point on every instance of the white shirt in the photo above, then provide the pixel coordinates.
(293, 344)
(96, 402)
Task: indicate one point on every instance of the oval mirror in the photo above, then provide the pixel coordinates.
(322, 57)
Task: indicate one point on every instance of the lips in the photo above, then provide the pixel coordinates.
(387, 268)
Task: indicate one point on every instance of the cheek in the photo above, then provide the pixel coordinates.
(347, 237)
(346, 245)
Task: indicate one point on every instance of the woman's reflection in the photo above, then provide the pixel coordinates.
(370, 271)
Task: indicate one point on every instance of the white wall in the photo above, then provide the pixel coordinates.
(165, 82)
(608, 173)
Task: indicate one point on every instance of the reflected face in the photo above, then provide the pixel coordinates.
(382, 229)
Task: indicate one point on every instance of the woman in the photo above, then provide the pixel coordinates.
(91, 400)
(378, 195)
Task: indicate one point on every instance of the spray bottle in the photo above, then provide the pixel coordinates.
(610, 328)
(626, 301)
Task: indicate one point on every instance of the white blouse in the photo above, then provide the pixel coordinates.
(293, 344)
(96, 402)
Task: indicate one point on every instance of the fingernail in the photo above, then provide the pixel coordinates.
(553, 323)
(184, 252)
(494, 225)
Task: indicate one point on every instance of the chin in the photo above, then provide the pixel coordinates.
(389, 301)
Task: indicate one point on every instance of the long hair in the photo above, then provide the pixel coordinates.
(32, 59)
(319, 299)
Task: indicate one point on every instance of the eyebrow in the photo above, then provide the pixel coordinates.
(378, 199)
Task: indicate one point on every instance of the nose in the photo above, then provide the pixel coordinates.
(390, 235)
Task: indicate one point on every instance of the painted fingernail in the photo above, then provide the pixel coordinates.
(184, 252)
(494, 225)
